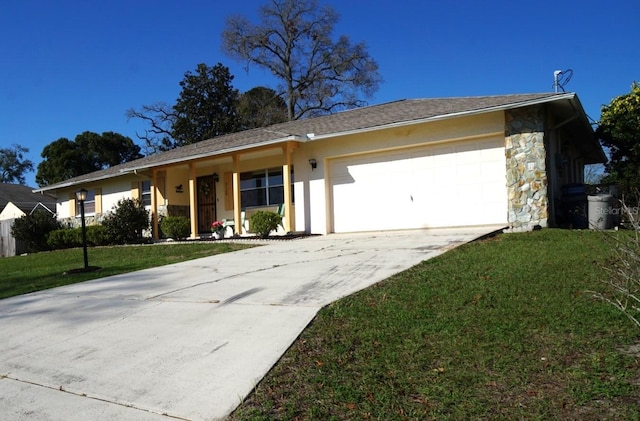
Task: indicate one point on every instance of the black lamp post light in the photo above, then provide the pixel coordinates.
(81, 197)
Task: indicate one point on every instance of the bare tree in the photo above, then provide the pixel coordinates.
(622, 270)
(161, 118)
(294, 42)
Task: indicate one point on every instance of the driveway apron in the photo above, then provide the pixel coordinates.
(188, 340)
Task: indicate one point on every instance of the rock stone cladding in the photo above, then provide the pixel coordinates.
(526, 168)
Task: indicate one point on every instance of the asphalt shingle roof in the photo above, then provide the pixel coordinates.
(23, 197)
(365, 118)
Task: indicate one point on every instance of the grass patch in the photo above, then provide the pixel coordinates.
(498, 329)
(35, 272)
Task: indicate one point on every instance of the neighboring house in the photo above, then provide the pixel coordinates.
(408, 164)
(16, 201)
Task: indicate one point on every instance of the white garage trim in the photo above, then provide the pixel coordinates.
(447, 184)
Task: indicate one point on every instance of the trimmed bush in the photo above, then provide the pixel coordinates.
(33, 229)
(263, 222)
(175, 227)
(126, 223)
(64, 238)
(72, 237)
(96, 235)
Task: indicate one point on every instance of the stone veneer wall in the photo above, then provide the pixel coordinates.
(526, 168)
(75, 222)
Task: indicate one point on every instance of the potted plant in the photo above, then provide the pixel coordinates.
(217, 229)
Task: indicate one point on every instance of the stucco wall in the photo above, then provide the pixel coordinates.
(11, 211)
(111, 191)
(526, 168)
(114, 192)
(312, 185)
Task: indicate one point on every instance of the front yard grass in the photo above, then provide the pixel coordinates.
(497, 329)
(38, 271)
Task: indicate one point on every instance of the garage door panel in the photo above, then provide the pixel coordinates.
(455, 185)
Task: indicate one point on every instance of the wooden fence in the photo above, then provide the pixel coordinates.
(9, 246)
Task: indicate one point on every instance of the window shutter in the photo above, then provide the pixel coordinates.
(98, 198)
(72, 205)
(135, 190)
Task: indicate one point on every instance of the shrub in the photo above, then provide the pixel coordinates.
(64, 238)
(96, 235)
(175, 227)
(34, 228)
(263, 222)
(127, 221)
(72, 237)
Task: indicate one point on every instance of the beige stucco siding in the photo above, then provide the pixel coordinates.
(403, 175)
(110, 192)
(114, 192)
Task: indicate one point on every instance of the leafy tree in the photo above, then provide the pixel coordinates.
(63, 159)
(111, 148)
(619, 130)
(206, 106)
(34, 228)
(260, 107)
(89, 152)
(294, 42)
(13, 165)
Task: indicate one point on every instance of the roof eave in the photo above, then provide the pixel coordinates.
(602, 157)
(135, 169)
(65, 184)
(293, 138)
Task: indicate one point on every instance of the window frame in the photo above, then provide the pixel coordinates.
(265, 192)
(89, 204)
(145, 195)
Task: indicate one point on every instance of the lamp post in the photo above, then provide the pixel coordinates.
(81, 196)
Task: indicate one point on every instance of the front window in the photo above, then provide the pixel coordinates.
(262, 188)
(89, 204)
(146, 193)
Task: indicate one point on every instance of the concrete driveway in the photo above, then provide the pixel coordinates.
(190, 340)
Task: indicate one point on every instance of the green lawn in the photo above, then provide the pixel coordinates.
(34, 272)
(498, 329)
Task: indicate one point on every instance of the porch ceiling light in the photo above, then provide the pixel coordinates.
(313, 163)
(215, 177)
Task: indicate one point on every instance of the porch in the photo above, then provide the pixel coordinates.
(227, 188)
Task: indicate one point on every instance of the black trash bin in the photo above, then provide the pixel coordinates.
(573, 206)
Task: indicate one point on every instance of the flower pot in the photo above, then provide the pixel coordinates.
(218, 235)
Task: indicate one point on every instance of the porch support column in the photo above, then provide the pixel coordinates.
(154, 204)
(193, 215)
(286, 178)
(237, 206)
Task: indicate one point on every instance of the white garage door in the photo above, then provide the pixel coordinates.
(439, 186)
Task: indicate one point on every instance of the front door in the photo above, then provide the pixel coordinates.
(206, 196)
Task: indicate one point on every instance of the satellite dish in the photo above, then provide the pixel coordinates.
(561, 78)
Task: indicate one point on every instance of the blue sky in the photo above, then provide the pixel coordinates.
(71, 66)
